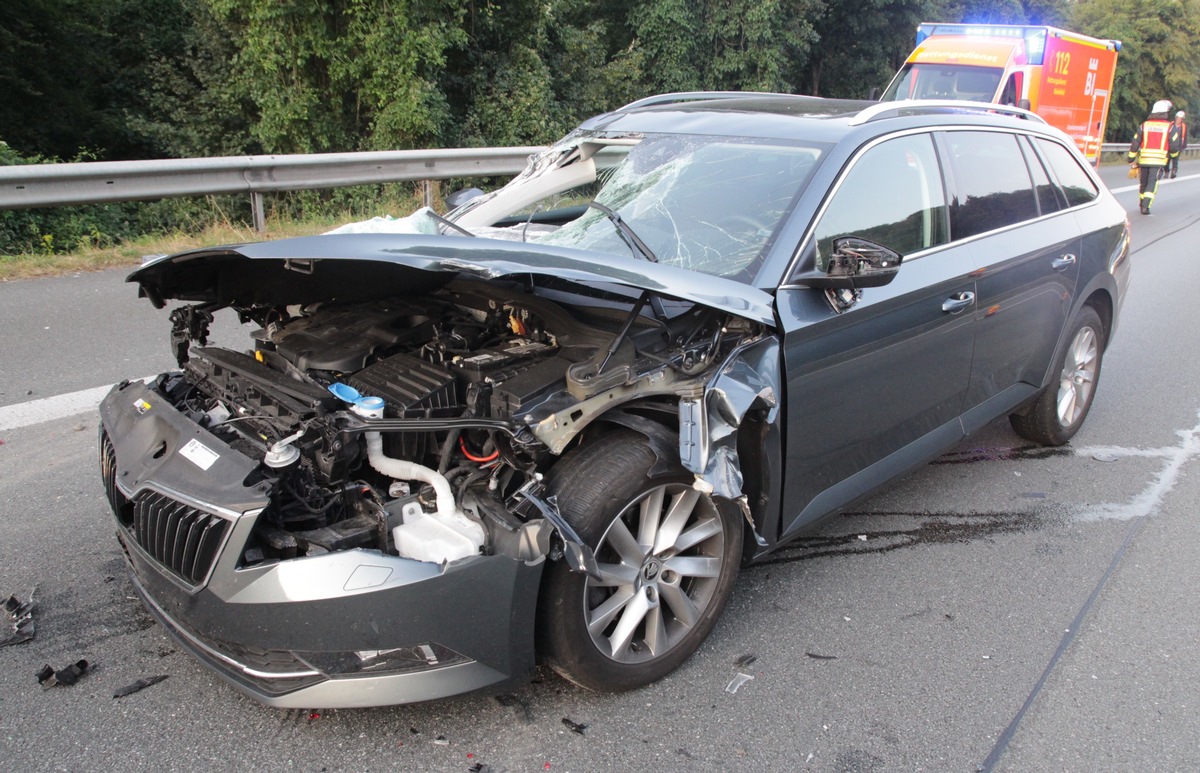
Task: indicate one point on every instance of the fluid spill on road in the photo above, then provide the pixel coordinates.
(1018, 454)
(927, 529)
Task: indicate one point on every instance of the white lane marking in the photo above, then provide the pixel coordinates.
(1165, 181)
(1150, 498)
(51, 408)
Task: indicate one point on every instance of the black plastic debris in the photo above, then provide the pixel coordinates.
(139, 685)
(745, 660)
(815, 656)
(480, 767)
(576, 727)
(20, 617)
(47, 677)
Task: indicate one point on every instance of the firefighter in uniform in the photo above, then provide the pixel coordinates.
(1157, 141)
(1181, 126)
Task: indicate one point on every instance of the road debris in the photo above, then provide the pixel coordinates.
(139, 685)
(519, 706)
(816, 656)
(441, 740)
(47, 677)
(862, 537)
(745, 660)
(20, 617)
(577, 727)
(737, 682)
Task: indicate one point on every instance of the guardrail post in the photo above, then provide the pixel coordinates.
(257, 212)
(427, 192)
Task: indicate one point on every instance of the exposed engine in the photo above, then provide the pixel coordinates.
(421, 426)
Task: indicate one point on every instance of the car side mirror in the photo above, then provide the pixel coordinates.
(855, 263)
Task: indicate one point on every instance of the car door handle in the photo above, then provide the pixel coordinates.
(957, 302)
(1061, 264)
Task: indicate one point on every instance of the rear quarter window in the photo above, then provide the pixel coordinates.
(1072, 178)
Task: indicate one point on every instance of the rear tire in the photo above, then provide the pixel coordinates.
(1060, 410)
(669, 556)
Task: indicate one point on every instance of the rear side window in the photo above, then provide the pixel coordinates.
(993, 185)
(1047, 194)
(892, 195)
(1071, 176)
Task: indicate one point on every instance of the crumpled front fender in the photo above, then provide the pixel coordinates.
(709, 422)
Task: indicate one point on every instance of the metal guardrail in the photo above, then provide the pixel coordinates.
(1121, 148)
(41, 185)
(45, 185)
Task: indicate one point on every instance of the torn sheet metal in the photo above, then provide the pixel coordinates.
(19, 617)
(708, 425)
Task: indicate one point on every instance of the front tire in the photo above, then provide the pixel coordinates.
(1060, 410)
(668, 556)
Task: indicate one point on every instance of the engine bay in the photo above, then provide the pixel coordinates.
(423, 426)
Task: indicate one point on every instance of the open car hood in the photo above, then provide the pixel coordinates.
(358, 266)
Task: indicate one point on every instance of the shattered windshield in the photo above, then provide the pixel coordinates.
(708, 204)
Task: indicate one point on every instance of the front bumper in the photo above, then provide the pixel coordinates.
(344, 629)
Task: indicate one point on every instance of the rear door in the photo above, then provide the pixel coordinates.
(878, 387)
(1026, 249)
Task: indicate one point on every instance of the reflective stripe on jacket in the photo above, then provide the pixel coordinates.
(1153, 142)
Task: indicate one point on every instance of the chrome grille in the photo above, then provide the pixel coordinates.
(121, 506)
(182, 538)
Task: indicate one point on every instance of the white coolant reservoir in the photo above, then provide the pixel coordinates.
(436, 538)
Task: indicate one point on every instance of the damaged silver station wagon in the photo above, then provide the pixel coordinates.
(553, 423)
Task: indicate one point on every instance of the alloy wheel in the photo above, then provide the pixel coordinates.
(660, 561)
(1078, 376)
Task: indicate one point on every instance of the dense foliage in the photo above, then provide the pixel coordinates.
(177, 78)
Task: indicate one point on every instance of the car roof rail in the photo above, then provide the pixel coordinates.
(694, 96)
(894, 108)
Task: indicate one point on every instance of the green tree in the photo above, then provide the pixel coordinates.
(1159, 59)
(861, 45)
(183, 98)
(329, 75)
(55, 76)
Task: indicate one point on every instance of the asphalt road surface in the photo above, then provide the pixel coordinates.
(1007, 607)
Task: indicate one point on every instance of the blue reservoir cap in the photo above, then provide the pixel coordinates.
(344, 392)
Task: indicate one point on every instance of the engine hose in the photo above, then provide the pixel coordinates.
(400, 469)
(462, 444)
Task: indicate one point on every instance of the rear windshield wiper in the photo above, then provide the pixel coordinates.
(635, 243)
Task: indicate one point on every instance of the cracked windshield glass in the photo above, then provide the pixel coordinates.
(708, 204)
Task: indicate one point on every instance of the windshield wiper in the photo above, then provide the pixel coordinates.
(450, 223)
(631, 239)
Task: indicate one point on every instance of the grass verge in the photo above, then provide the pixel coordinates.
(28, 266)
(399, 200)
